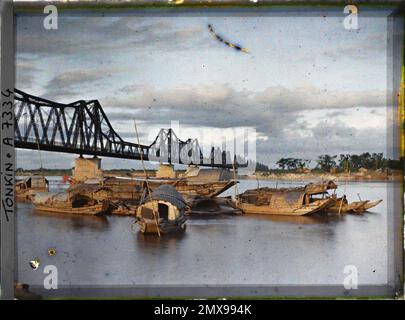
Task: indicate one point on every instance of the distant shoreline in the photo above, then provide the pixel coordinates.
(369, 176)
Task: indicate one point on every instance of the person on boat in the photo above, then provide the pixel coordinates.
(345, 199)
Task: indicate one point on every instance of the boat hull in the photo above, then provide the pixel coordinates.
(133, 189)
(307, 209)
(28, 194)
(353, 207)
(150, 226)
(372, 204)
(88, 210)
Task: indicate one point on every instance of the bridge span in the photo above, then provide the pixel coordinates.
(82, 127)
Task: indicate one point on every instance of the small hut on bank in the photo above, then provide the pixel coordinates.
(162, 212)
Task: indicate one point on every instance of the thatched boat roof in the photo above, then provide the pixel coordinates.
(322, 187)
(86, 188)
(43, 197)
(31, 177)
(311, 188)
(167, 193)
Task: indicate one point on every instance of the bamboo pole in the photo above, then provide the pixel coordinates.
(147, 182)
(235, 182)
(340, 207)
(257, 181)
(40, 159)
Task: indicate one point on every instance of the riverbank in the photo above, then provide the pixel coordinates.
(369, 176)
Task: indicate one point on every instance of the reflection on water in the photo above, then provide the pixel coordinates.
(149, 241)
(245, 249)
(311, 219)
(73, 221)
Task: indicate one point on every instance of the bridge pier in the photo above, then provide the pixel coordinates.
(87, 168)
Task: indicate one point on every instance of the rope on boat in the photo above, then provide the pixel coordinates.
(146, 180)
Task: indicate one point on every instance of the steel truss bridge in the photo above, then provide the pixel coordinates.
(82, 127)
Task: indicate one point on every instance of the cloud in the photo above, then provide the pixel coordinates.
(219, 105)
(25, 74)
(338, 113)
(330, 136)
(103, 35)
(69, 38)
(312, 98)
(278, 114)
(301, 119)
(69, 83)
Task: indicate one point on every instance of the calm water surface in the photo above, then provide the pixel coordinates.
(248, 249)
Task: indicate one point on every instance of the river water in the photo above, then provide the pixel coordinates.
(246, 249)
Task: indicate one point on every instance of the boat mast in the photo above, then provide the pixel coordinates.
(40, 160)
(146, 180)
(235, 181)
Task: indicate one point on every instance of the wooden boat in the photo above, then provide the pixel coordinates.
(123, 208)
(212, 207)
(282, 201)
(162, 212)
(199, 188)
(87, 210)
(371, 204)
(26, 188)
(195, 182)
(341, 205)
(93, 190)
(132, 189)
(69, 204)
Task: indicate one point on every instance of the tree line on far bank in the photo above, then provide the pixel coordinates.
(336, 163)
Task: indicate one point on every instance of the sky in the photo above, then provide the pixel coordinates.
(308, 86)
